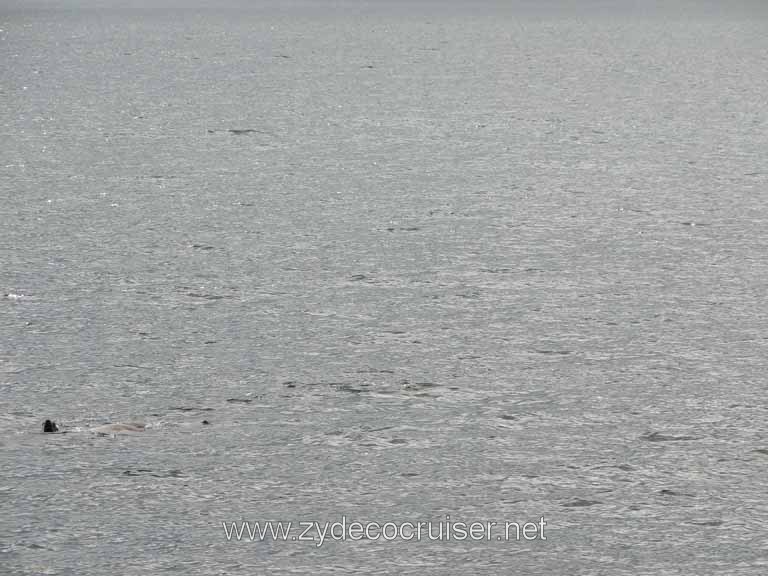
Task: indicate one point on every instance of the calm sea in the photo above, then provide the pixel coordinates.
(413, 262)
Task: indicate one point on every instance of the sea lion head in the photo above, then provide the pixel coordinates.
(49, 427)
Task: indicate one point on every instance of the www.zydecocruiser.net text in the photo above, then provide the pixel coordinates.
(345, 530)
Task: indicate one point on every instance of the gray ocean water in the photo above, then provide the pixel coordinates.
(492, 261)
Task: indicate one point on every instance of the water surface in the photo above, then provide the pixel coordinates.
(410, 260)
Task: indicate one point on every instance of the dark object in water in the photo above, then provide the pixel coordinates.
(205, 422)
(659, 437)
(49, 427)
